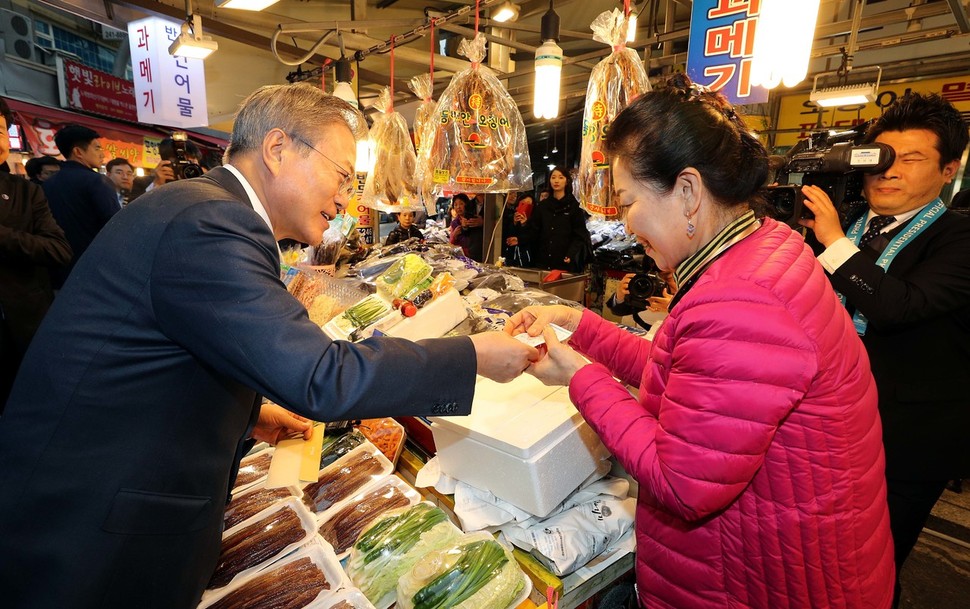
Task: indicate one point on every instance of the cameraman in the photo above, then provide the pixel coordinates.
(622, 304)
(165, 170)
(904, 273)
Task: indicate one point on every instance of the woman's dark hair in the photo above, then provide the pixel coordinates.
(930, 112)
(523, 197)
(682, 125)
(563, 171)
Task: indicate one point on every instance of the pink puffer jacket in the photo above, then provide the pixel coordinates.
(755, 439)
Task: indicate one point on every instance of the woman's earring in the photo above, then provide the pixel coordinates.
(690, 226)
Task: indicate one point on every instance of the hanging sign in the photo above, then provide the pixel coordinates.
(168, 90)
(721, 48)
(89, 90)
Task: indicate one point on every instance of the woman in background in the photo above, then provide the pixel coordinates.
(515, 250)
(556, 232)
(755, 438)
(457, 234)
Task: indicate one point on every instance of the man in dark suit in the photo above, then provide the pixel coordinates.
(81, 199)
(135, 401)
(904, 271)
(31, 244)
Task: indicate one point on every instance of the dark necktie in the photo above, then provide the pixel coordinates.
(875, 227)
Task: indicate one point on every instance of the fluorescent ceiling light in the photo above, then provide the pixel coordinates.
(246, 5)
(506, 12)
(193, 44)
(843, 96)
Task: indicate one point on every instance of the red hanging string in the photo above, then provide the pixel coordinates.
(323, 76)
(432, 53)
(391, 104)
(626, 8)
(476, 16)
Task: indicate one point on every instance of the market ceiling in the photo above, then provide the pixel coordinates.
(929, 37)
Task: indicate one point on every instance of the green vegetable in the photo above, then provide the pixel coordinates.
(479, 562)
(366, 312)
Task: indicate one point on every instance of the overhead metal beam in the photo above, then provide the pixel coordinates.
(960, 14)
(470, 33)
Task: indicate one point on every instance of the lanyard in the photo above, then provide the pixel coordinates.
(916, 225)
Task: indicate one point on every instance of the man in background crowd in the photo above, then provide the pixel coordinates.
(81, 199)
(31, 244)
(122, 175)
(903, 269)
(164, 172)
(40, 168)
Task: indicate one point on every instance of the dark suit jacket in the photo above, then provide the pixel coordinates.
(82, 202)
(124, 428)
(918, 342)
(31, 244)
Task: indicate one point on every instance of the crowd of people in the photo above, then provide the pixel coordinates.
(799, 411)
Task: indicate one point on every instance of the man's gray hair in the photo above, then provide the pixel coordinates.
(300, 110)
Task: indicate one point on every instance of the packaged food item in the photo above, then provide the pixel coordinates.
(479, 141)
(333, 240)
(423, 129)
(616, 81)
(252, 469)
(476, 573)
(404, 277)
(347, 475)
(251, 502)
(341, 525)
(348, 598)
(386, 434)
(337, 446)
(390, 185)
(307, 578)
(261, 539)
(391, 545)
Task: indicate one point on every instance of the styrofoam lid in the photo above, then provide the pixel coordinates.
(521, 417)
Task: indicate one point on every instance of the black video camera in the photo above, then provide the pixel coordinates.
(644, 286)
(836, 163)
(181, 165)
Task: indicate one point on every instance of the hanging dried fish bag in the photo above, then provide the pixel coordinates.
(390, 185)
(423, 129)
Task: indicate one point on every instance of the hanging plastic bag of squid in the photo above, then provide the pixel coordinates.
(390, 186)
(423, 130)
(615, 82)
(479, 142)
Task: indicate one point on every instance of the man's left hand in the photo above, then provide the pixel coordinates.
(826, 225)
(276, 423)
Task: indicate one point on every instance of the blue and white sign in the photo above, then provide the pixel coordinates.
(168, 90)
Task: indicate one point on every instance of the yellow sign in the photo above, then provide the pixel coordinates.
(798, 113)
(441, 176)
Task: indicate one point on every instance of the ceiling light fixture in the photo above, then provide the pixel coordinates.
(246, 5)
(548, 68)
(783, 42)
(843, 94)
(191, 42)
(343, 75)
(631, 27)
(505, 12)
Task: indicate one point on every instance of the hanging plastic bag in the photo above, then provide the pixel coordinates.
(390, 186)
(423, 129)
(479, 142)
(615, 82)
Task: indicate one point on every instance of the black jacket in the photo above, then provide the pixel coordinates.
(403, 234)
(557, 230)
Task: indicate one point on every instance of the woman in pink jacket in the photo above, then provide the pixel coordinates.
(755, 438)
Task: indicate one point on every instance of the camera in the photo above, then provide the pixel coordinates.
(644, 286)
(181, 165)
(836, 163)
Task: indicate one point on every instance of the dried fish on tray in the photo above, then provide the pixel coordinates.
(346, 476)
(253, 468)
(615, 81)
(390, 185)
(348, 598)
(264, 537)
(341, 525)
(479, 142)
(308, 578)
(253, 501)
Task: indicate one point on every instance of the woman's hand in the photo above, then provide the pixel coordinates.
(623, 290)
(559, 364)
(518, 218)
(533, 320)
(512, 241)
(826, 225)
(275, 423)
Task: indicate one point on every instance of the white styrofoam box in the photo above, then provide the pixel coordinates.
(434, 320)
(523, 441)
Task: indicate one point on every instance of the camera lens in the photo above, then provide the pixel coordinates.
(191, 170)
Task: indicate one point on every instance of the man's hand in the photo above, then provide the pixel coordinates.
(473, 222)
(623, 290)
(560, 363)
(275, 423)
(533, 320)
(164, 173)
(512, 241)
(501, 357)
(826, 225)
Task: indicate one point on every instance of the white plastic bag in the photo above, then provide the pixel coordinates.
(615, 82)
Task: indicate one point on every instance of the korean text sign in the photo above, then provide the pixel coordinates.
(168, 90)
(721, 48)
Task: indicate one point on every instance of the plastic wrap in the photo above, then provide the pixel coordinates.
(252, 469)
(255, 500)
(392, 544)
(390, 186)
(323, 296)
(344, 477)
(479, 142)
(341, 525)
(477, 573)
(423, 129)
(615, 82)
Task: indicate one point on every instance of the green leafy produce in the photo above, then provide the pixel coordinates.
(403, 276)
(391, 546)
(366, 312)
(477, 574)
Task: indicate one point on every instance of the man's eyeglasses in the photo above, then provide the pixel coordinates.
(348, 184)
